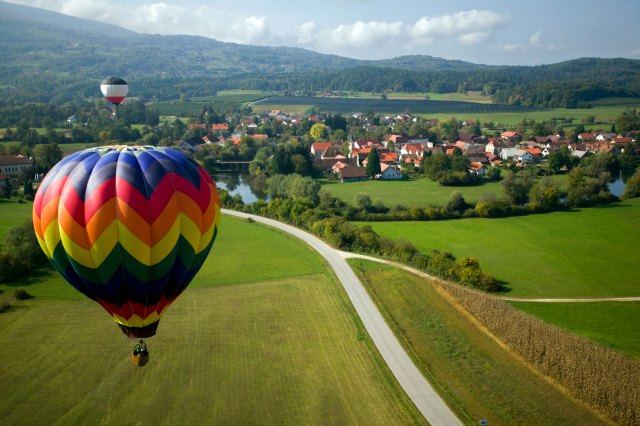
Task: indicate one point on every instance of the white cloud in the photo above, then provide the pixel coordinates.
(473, 38)
(535, 38)
(513, 47)
(458, 24)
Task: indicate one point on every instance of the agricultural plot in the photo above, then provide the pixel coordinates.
(477, 377)
(257, 339)
(224, 101)
(348, 105)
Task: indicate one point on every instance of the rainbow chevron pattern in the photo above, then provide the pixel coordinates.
(129, 227)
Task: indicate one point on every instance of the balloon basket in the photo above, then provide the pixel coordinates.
(140, 359)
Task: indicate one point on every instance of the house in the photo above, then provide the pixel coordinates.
(604, 136)
(339, 165)
(220, 127)
(478, 169)
(389, 173)
(587, 136)
(515, 154)
(353, 174)
(192, 126)
(388, 157)
(14, 165)
(318, 148)
(510, 135)
(495, 146)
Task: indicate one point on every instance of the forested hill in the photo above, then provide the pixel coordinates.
(50, 57)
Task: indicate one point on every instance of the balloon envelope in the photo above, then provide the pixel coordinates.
(129, 227)
(114, 89)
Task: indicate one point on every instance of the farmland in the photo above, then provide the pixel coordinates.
(414, 106)
(266, 341)
(225, 100)
(479, 378)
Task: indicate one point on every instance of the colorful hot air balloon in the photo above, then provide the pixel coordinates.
(114, 90)
(129, 227)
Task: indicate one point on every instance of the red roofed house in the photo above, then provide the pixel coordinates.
(317, 148)
(220, 127)
(353, 174)
(510, 135)
(388, 157)
(587, 136)
(476, 168)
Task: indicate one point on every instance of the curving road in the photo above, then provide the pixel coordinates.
(414, 384)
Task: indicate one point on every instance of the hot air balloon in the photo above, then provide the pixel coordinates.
(129, 227)
(114, 90)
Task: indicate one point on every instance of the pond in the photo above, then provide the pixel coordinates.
(618, 186)
(251, 189)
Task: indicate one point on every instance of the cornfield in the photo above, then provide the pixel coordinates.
(604, 379)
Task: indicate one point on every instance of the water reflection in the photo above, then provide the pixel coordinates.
(618, 186)
(249, 187)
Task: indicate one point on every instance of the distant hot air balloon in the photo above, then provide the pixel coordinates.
(129, 227)
(114, 90)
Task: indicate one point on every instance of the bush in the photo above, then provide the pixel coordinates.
(22, 294)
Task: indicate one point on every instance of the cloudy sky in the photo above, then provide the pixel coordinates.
(510, 32)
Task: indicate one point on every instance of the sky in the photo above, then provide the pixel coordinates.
(498, 32)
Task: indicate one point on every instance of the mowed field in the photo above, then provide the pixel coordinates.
(262, 336)
(420, 192)
(480, 379)
(586, 253)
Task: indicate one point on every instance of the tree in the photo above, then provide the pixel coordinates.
(362, 200)
(515, 190)
(436, 165)
(456, 203)
(373, 163)
(318, 131)
(633, 186)
(545, 195)
(578, 189)
(46, 156)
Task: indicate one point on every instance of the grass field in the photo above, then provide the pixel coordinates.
(612, 324)
(421, 192)
(605, 113)
(255, 340)
(477, 373)
(454, 96)
(13, 214)
(223, 101)
(581, 253)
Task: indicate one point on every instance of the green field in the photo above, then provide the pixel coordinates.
(13, 214)
(605, 113)
(421, 192)
(252, 344)
(580, 253)
(481, 380)
(223, 101)
(612, 324)
(454, 96)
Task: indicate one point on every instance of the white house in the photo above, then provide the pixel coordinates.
(389, 173)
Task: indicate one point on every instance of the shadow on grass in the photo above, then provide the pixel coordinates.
(36, 276)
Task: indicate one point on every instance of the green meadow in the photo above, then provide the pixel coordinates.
(584, 253)
(579, 253)
(477, 377)
(262, 336)
(612, 324)
(420, 192)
